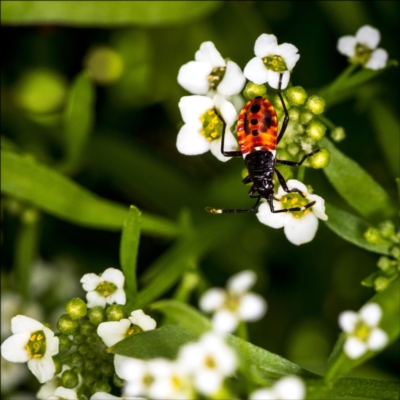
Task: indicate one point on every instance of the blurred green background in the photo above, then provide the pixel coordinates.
(130, 155)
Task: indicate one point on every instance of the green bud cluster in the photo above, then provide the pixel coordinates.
(252, 90)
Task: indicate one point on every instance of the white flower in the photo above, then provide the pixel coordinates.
(62, 393)
(271, 61)
(104, 289)
(362, 330)
(288, 388)
(33, 343)
(113, 332)
(209, 361)
(211, 72)
(299, 226)
(362, 48)
(203, 125)
(234, 304)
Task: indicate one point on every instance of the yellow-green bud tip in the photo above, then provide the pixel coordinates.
(338, 134)
(320, 159)
(252, 90)
(316, 104)
(296, 95)
(316, 130)
(76, 308)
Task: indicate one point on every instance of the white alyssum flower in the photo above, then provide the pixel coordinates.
(362, 48)
(210, 72)
(33, 343)
(108, 288)
(288, 388)
(209, 361)
(202, 131)
(62, 393)
(362, 330)
(234, 304)
(299, 226)
(113, 332)
(271, 61)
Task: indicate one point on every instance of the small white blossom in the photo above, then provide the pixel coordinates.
(210, 72)
(362, 48)
(203, 125)
(105, 289)
(362, 330)
(62, 393)
(271, 61)
(234, 304)
(300, 226)
(33, 343)
(288, 388)
(209, 361)
(113, 332)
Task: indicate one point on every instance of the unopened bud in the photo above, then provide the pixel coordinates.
(338, 134)
(97, 315)
(69, 379)
(101, 386)
(305, 117)
(76, 308)
(293, 149)
(387, 229)
(64, 343)
(316, 104)
(316, 130)
(66, 325)
(296, 95)
(252, 90)
(320, 159)
(115, 312)
(381, 283)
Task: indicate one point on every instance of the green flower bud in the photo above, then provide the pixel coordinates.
(77, 359)
(316, 104)
(296, 95)
(387, 229)
(115, 312)
(86, 328)
(278, 104)
(117, 381)
(69, 379)
(320, 159)
(395, 252)
(66, 325)
(83, 349)
(316, 130)
(294, 114)
(101, 386)
(293, 149)
(76, 308)
(97, 315)
(338, 134)
(107, 369)
(252, 90)
(384, 263)
(89, 379)
(78, 338)
(381, 283)
(373, 236)
(89, 365)
(57, 364)
(64, 343)
(305, 117)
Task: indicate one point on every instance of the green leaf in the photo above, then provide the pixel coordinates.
(104, 13)
(338, 363)
(356, 186)
(59, 196)
(129, 250)
(78, 122)
(352, 228)
(163, 342)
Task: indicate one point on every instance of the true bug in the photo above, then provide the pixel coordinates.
(258, 138)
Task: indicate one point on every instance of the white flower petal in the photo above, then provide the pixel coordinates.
(377, 60)
(208, 53)
(319, 207)
(289, 53)
(13, 348)
(193, 77)
(94, 299)
(347, 46)
(256, 71)
(241, 282)
(266, 217)
(43, 368)
(64, 393)
(138, 317)
(368, 36)
(21, 323)
(252, 307)
(294, 184)
(129, 368)
(114, 276)
(378, 339)
(212, 299)
(371, 314)
(193, 107)
(263, 394)
(208, 382)
(264, 44)
(348, 320)
(226, 109)
(290, 388)
(273, 79)
(233, 81)
(190, 141)
(104, 396)
(354, 348)
(118, 297)
(224, 321)
(51, 343)
(113, 332)
(300, 230)
(230, 144)
(90, 281)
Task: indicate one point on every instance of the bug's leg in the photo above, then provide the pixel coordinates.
(247, 180)
(284, 185)
(227, 153)
(286, 120)
(285, 210)
(297, 164)
(253, 190)
(229, 211)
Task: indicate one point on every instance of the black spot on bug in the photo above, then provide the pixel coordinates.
(254, 121)
(254, 132)
(258, 97)
(256, 108)
(266, 120)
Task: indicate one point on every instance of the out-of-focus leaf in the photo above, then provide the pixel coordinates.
(356, 186)
(352, 228)
(338, 363)
(104, 13)
(57, 195)
(78, 121)
(129, 250)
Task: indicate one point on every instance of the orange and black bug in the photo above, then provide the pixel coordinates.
(257, 129)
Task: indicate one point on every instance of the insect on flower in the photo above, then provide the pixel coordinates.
(258, 138)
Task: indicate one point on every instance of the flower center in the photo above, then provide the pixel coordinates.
(147, 380)
(176, 382)
(275, 63)
(106, 289)
(293, 200)
(363, 53)
(36, 346)
(362, 331)
(212, 125)
(209, 362)
(232, 302)
(216, 76)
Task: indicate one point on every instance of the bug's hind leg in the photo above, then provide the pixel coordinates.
(285, 210)
(231, 211)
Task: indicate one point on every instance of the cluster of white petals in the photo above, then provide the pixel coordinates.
(288, 388)
(108, 288)
(62, 393)
(368, 38)
(234, 304)
(298, 228)
(362, 330)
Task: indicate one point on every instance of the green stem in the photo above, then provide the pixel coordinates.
(301, 174)
(339, 80)
(326, 121)
(242, 331)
